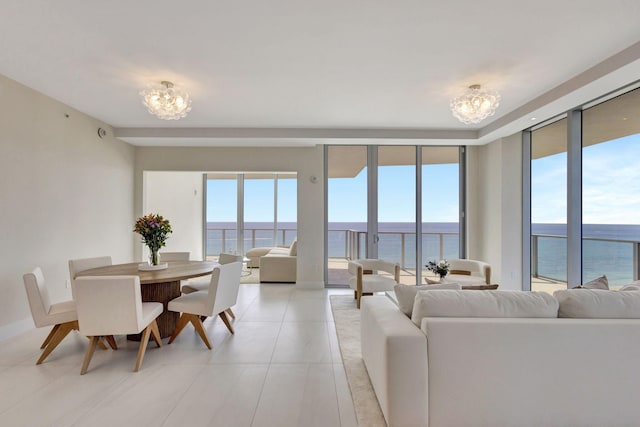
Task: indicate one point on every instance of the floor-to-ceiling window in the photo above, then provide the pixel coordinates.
(440, 204)
(346, 209)
(397, 209)
(372, 206)
(611, 189)
(585, 182)
(221, 227)
(260, 206)
(549, 206)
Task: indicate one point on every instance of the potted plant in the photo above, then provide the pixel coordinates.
(441, 268)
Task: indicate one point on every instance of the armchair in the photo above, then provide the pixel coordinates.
(366, 280)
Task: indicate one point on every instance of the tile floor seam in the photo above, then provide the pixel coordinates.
(195, 378)
(255, 411)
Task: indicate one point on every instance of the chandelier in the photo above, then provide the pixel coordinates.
(474, 105)
(166, 102)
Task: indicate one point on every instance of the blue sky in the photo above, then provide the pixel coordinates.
(610, 184)
(396, 195)
(222, 200)
(347, 197)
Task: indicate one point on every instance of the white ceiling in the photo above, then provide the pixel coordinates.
(315, 71)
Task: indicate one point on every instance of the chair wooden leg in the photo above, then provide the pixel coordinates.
(111, 341)
(224, 318)
(51, 334)
(230, 313)
(155, 333)
(358, 297)
(355, 294)
(100, 344)
(144, 340)
(197, 324)
(61, 332)
(91, 348)
(182, 322)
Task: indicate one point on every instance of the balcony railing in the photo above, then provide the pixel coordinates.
(226, 239)
(618, 259)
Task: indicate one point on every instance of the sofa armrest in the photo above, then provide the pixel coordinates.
(278, 268)
(394, 351)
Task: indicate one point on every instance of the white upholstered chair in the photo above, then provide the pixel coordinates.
(195, 285)
(366, 278)
(82, 264)
(174, 256)
(112, 305)
(221, 295)
(62, 316)
(469, 271)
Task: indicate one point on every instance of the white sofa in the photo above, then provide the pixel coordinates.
(279, 264)
(505, 371)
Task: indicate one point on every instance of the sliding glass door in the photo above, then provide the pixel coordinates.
(397, 209)
(375, 194)
(347, 174)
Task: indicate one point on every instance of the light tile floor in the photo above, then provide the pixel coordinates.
(281, 368)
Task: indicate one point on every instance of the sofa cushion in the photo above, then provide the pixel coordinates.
(406, 294)
(293, 249)
(278, 251)
(449, 303)
(598, 304)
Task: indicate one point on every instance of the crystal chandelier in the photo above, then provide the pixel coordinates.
(474, 105)
(166, 102)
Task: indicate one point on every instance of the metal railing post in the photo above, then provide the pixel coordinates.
(402, 251)
(534, 255)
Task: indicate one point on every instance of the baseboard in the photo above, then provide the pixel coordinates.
(310, 285)
(15, 328)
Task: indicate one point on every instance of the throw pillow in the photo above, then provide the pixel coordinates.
(633, 286)
(406, 294)
(293, 249)
(599, 283)
(598, 304)
(483, 304)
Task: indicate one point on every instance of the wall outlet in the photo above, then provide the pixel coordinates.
(67, 284)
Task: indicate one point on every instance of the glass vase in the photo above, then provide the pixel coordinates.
(154, 257)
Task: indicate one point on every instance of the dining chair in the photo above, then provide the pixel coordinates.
(62, 316)
(195, 285)
(174, 256)
(112, 305)
(82, 264)
(221, 295)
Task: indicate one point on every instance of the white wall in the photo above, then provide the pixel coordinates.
(494, 208)
(65, 193)
(306, 161)
(177, 196)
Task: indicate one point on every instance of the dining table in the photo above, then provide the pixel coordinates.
(157, 285)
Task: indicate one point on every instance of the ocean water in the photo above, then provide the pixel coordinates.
(607, 249)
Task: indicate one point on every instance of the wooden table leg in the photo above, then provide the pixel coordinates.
(161, 292)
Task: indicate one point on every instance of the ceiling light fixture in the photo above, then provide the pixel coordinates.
(474, 105)
(167, 101)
